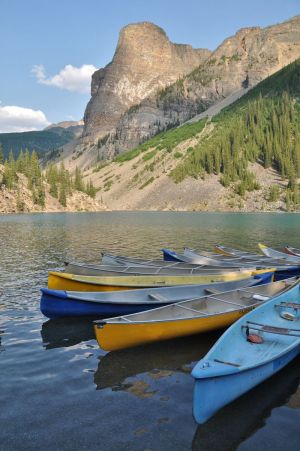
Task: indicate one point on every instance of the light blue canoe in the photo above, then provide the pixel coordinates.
(234, 365)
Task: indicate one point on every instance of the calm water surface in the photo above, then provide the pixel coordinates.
(59, 391)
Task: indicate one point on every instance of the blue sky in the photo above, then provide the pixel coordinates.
(40, 38)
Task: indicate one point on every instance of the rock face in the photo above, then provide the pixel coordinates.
(145, 60)
(152, 84)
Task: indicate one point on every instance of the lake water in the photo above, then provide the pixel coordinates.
(59, 391)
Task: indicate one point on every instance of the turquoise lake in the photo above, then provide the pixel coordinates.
(59, 391)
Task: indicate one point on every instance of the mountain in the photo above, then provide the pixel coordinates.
(152, 84)
(144, 60)
(67, 125)
(246, 157)
(53, 137)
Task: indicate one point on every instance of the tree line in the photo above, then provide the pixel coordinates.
(61, 183)
(266, 130)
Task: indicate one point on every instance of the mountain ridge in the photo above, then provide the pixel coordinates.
(42, 141)
(240, 61)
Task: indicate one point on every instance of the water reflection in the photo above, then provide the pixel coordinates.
(64, 332)
(237, 421)
(157, 376)
(174, 355)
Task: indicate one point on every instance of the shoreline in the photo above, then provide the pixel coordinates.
(150, 211)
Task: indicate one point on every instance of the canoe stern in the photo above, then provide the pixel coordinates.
(219, 384)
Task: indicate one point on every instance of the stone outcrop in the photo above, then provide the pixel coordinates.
(145, 60)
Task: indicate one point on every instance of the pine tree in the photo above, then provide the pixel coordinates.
(78, 182)
(62, 195)
(52, 179)
(90, 189)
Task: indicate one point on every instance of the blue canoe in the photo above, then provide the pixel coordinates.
(250, 351)
(59, 303)
(282, 271)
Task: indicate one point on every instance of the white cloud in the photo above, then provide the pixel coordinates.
(18, 119)
(75, 79)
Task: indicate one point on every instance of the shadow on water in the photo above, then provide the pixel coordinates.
(237, 421)
(173, 355)
(64, 332)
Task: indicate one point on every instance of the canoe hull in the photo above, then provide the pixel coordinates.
(211, 394)
(170, 256)
(57, 283)
(272, 253)
(53, 306)
(71, 282)
(292, 251)
(293, 271)
(281, 272)
(120, 336)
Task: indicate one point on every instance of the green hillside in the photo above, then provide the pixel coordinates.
(263, 126)
(40, 141)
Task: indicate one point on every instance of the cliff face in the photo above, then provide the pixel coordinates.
(144, 61)
(152, 84)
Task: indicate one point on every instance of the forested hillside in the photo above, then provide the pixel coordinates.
(41, 141)
(30, 187)
(263, 127)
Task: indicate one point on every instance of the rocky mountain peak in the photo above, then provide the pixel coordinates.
(144, 61)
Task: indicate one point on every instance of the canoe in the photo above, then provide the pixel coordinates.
(190, 256)
(251, 350)
(73, 282)
(230, 252)
(183, 318)
(284, 269)
(235, 423)
(180, 270)
(292, 251)
(272, 253)
(219, 261)
(59, 303)
(260, 260)
(119, 260)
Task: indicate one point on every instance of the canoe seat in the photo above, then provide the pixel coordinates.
(191, 309)
(212, 291)
(259, 297)
(293, 305)
(271, 329)
(227, 363)
(157, 297)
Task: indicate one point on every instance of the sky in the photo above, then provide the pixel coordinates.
(49, 49)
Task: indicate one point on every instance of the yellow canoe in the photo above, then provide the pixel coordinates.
(73, 282)
(183, 318)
